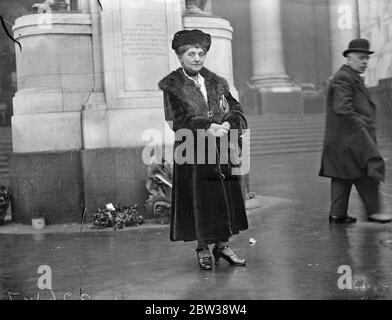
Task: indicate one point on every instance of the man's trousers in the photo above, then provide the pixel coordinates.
(367, 187)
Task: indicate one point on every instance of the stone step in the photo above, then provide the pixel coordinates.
(280, 134)
(278, 138)
(4, 174)
(5, 151)
(298, 140)
(285, 136)
(288, 144)
(299, 126)
(284, 131)
(283, 118)
(6, 134)
(285, 142)
(285, 150)
(309, 120)
(296, 147)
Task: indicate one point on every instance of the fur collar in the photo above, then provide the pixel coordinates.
(185, 91)
(173, 82)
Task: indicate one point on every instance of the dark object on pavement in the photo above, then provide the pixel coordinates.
(344, 219)
(5, 200)
(120, 217)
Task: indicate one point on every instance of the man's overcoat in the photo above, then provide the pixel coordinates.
(350, 146)
(204, 206)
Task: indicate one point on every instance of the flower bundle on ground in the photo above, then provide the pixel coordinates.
(120, 217)
(5, 199)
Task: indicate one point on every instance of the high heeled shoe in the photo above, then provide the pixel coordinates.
(205, 262)
(227, 254)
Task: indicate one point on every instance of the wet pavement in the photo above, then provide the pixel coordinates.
(297, 254)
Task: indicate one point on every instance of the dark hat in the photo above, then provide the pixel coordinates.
(361, 45)
(195, 36)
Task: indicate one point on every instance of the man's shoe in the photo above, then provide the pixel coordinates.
(342, 219)
(380, 217)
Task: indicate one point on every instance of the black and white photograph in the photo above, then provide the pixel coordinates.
(209, 152)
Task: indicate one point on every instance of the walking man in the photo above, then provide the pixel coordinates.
(350, 153)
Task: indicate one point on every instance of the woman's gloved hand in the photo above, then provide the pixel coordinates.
(218, 130)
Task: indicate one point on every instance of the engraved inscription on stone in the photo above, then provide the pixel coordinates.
(144, 41)
(145, 51)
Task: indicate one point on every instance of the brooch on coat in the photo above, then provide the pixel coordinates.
(223, 104)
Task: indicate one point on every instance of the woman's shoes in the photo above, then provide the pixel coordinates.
(227, 254)
(205, 261)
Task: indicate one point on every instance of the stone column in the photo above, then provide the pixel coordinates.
(94, 121)
(344, 27)
(275, 92)
(96, 100)
(219, 59)
(267, 49)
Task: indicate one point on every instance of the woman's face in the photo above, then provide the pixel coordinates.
(193, 59)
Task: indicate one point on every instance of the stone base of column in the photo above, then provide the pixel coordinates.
(59, 185)
(96, 101)
(47, 184)
(314, 101)
(114, 175)
(274, 100)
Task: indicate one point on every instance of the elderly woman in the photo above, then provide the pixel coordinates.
(207, 200)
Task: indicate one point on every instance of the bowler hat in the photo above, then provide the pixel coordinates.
(359, 45)
(195, 36)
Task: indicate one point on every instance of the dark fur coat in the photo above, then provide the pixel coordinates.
(350, 145)
(204, 206)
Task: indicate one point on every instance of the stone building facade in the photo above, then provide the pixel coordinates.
(376, 26)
